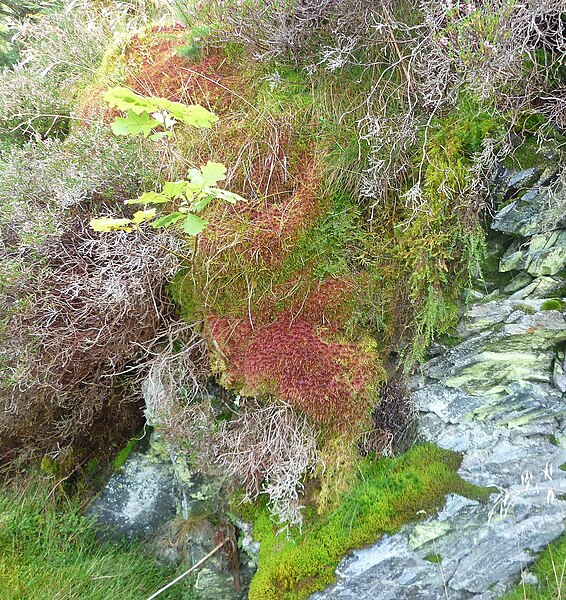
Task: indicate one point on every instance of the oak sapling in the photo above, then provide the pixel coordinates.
(155, 118)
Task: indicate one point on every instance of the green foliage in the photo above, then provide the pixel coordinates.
(332, 243)
(193, 49)
(550, 570)
(472, 37)
(184, 198)
(154, 112)
(443, 246)
(386, 494)
(48, 550)
(122, 456)
(553, 304)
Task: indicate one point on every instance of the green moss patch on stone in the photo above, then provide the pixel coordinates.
(434, 558)
(386, 494)
(553, 304)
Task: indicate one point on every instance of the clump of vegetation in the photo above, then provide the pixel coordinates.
(553, 304)
(550, 571)
(363, 152)
(48, 549)
(341, 258)
(385, 494)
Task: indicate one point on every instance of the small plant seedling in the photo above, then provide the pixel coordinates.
(154, 118)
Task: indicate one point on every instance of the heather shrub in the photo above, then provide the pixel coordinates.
(60, 49)
(37, 93)
(74, 306)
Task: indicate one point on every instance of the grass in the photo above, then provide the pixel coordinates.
(550, 570)
(386, 494)
(48, 550)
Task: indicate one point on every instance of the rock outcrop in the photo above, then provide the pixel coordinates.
(497, 396)
(156, 497)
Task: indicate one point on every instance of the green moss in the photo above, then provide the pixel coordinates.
(527, 155)
(331, 244)
(549, 570)
(182, 291)
(441, 247)
(386, 494)
(433, 558)
(122, 456)
(553, 304)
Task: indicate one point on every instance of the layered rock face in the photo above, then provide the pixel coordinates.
(497, 396)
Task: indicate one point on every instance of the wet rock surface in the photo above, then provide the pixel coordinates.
(498, 398)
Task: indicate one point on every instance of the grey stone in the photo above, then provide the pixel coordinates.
(523, 217)
(559, 372)
(137, 500)
(541, 287)
(518, 283)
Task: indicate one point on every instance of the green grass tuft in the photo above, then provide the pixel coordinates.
(51, 551)
(550, 570)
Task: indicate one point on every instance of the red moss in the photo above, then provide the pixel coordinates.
(291, 360)
(153, 67)
(294, 358)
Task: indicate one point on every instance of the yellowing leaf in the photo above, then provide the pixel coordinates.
(143, 215)
(109, 224)
(149, 198)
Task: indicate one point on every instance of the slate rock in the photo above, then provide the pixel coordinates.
(539, 288)
(543, 254)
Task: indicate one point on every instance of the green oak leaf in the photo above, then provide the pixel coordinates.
(202, 203)
(192, 114)
(150, 198)
(174, 189)
(125, 99)
(221, 194)
(167, 220)
(196, 178)
(193, 224)
(134, 124)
